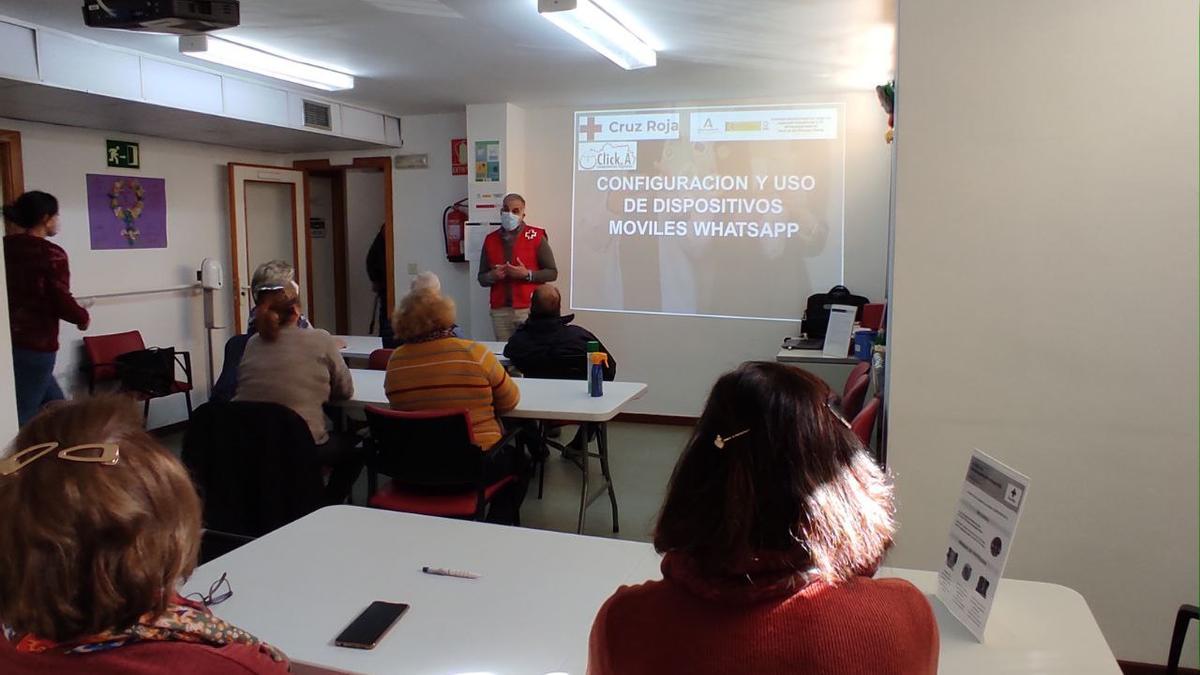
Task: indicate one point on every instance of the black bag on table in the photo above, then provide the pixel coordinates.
(816, 313)
(148, 371)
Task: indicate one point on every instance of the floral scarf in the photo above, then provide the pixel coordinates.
(435, 335)
(183, 621)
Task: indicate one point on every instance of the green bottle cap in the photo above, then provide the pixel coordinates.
(593, 346)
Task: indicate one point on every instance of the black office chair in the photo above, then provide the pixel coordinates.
(567, 367)
(254, 465)
(1186, 614)
(435, 465)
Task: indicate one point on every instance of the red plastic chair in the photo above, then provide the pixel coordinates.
(861, 368)
(872, 315)
(854, 395)
(435, 465)
(864, 421)
(102, 352)
(378, 359)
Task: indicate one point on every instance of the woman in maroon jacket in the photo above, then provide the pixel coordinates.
(774, 523)
(39, 296)
(101, 524)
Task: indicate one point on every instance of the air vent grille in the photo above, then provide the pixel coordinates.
(317, 116)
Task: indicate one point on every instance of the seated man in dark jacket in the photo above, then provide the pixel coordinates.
(547, 345)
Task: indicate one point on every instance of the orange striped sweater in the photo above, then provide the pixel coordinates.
(452, 373)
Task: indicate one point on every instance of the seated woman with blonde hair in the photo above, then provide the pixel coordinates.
(774, 522)
(101, 524)
(433, 369)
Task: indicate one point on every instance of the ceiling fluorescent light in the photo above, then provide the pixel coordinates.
(254, 60)
(589, 23)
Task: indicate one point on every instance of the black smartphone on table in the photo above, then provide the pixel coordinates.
(369, 627)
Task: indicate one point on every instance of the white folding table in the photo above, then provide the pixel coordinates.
(359, 347)
(563, 400)
(832, 369)
(812, 356)
(532, 609)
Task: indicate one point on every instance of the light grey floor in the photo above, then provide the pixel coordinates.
(641, 457)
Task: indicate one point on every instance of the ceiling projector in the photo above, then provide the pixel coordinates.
(179, 17)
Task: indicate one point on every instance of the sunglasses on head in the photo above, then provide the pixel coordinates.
(266, 288)
(838, 414)
(720, 441)
(106, 454)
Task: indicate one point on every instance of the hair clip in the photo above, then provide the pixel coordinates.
(720, 440)
(266, 288)
(109, 454)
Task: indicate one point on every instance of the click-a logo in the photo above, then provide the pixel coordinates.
(607, 156)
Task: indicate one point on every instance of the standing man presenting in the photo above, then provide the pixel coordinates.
(515, 260)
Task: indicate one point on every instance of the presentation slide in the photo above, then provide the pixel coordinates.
(727, 211)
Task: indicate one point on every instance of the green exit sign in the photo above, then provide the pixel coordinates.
(124, 154)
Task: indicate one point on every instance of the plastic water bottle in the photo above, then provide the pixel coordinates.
(593, 347)
(596, 373)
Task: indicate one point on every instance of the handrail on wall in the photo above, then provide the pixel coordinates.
(149, 291)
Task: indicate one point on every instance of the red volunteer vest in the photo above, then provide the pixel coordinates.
(525, 248)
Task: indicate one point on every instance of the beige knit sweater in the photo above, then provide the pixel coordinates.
(302, 370)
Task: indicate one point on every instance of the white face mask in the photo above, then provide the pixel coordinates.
(509, 221)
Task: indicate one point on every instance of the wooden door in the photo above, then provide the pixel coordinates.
(266, 210)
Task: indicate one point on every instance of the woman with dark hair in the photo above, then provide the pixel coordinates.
(39, 296)
(101, 525)
(303, 370)
(774, 522)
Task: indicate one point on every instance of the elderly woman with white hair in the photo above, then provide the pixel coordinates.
(428, 281)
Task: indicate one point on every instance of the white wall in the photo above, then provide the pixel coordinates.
(8, 397)
(421, 195)
(680, 357)
(8, 394)
(418, 197)
(1047, 196)
(365, 212)
(503, 122)
(56, 160)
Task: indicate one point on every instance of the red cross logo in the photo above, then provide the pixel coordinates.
(590, 128)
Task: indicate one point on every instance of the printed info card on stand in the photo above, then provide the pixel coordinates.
(839, 331)
(980, 538)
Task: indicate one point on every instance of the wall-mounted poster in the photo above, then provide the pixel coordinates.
(126, 212)
(458, 156)
(487, 161)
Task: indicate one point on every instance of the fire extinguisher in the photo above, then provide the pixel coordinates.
(454, 221)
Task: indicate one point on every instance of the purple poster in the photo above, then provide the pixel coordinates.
(127, 212)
